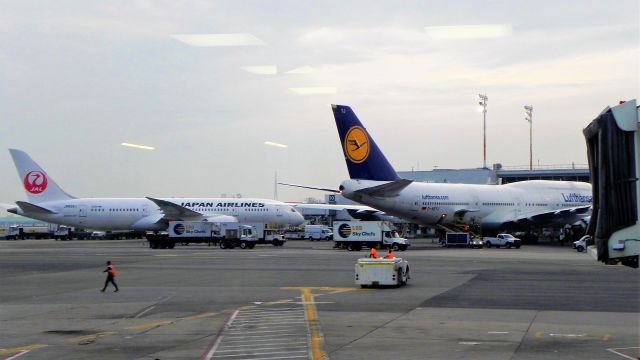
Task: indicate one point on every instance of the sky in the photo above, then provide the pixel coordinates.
(79, 78)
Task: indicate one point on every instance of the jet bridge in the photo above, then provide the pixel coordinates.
(613, 146)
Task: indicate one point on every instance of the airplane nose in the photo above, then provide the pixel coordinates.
(13, 210)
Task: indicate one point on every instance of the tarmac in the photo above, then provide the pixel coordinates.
(300, 301)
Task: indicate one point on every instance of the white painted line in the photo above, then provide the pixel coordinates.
(567, 335)
(302, 339)
(469, 343)
(274, 336)
(17, 355)
(144, 312)
(288, 322)
(497, 332)
(264, 348)
(260, 332)
(227, 346)
(278, 318)
(282, 357)
(215, 345)
(271, 311)
(613, 350)
(266, 353)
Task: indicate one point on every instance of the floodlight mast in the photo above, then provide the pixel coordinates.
(528, 112)
(482, 101)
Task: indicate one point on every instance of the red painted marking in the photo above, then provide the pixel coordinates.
(35, 182)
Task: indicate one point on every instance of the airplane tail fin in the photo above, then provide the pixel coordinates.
(37, 184)
(364, 159)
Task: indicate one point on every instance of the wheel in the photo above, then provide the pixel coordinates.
(243, 245)
(406, 277)
(395, 247)
(508, 246)
(350, 247)
(580, 248)
(399, 278)
(488, 244)
(223, 244)
(171, 245)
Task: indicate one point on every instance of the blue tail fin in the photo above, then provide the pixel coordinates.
(364, 158)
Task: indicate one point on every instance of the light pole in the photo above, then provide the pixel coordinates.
(482, 101)
(528, 112)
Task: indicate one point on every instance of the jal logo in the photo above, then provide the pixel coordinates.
(179, 229)
(356, 145)
(344, 230)
(35, 182)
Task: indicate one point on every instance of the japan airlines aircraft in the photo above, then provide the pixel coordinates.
(48, 202)
(374, 182)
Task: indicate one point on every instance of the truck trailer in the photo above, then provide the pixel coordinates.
(226, 235)
(354, 235)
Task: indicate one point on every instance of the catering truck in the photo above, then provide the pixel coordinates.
(268, 235)
(227, 235)
(354, 235)
(21, 232)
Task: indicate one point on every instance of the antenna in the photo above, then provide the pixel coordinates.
(275, 186)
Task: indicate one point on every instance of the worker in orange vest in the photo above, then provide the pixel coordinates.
(111, 275)
(373, 253)
(390, 254)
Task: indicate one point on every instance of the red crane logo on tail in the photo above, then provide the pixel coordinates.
(35, 182)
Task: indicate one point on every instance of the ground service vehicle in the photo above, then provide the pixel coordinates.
(506, 240)
(267, 235)
(456, 239)
(354, 235)
(28, 232)
(68, 233)
(318, 232)
(226, 235)
(375, 272)
(581, 245)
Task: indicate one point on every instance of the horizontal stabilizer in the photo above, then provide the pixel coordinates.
(29, 208)
(389, 189)
(174, 210)
(311, 187)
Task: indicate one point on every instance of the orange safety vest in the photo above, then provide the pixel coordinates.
(111, 270)
(390, 256)
(373, 253)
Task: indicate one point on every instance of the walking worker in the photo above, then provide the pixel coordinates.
(111, 275)
(373, 253)
(389, 254)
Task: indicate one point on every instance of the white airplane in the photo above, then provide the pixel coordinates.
(48, 202)
(373, 182)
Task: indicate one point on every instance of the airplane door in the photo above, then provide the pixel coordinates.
(145, 210)
(82, 214)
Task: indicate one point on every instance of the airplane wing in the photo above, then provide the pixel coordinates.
(567, 215)
(462, 212)
(361, 212)
(311, 187)
(389, 189)
(174, 210)
(30, 208)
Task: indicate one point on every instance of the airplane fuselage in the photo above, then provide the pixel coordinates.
(144, 215)
(491, 206)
